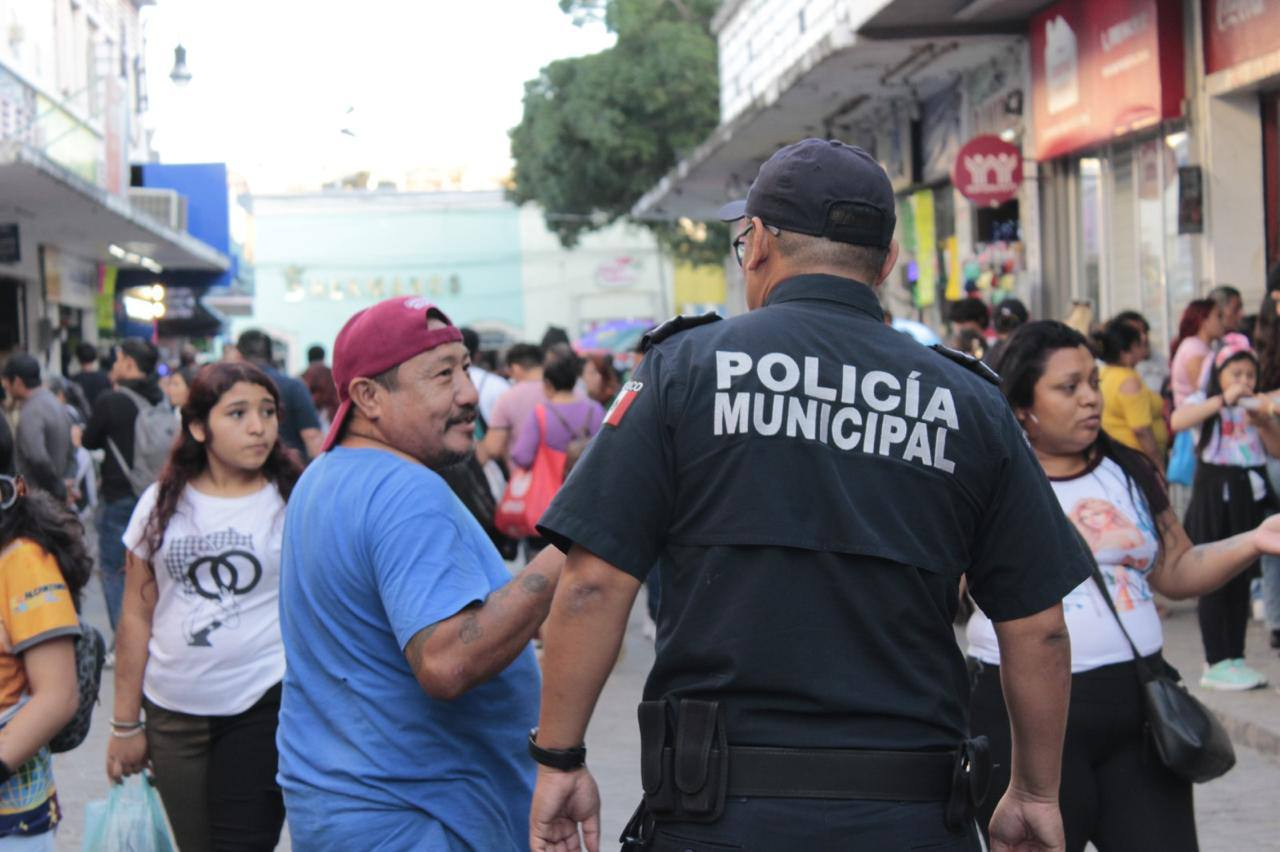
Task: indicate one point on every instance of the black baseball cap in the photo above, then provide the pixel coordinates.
(822, 188)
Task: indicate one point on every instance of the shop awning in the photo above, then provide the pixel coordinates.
(829, 90)
(915, 18)
(62, 209)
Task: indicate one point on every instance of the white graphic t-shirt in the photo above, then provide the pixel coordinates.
(1111, 515)
(215, 644)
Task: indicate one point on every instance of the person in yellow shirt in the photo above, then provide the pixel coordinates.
(43, 566)
(1132, 413)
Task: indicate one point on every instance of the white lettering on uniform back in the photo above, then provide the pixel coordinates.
(773, 424)
(802, 414)
(790, 372)
(731, 416)
(849, 418)
(875, 379)
(941, 407)
(730, 365)
(811, 386)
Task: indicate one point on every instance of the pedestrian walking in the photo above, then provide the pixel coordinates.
(817, 483)
(1230, 495)
(299, 422)
(1132, 413)
(133, 456)
(1115, 792)
(600, 377)
(44, 452)
(198, 648)
(512, 409)
(43, 567)
(92, 381)
(565, 417)
(1200, 328)
(1010, 314)
(319, 381)
(412, 682)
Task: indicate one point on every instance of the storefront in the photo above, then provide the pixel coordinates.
(1114, 160)
(1241, 41)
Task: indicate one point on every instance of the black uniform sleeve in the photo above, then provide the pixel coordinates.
(1026, 555)
(618, 500)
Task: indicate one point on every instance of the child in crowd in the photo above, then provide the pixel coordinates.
(199, 644)
(1230, 495)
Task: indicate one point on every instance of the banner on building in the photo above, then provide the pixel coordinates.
(1103, 69)
(106, 302)
(1238, 31)
(926, 249)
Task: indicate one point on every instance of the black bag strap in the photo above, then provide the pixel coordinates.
(1144, 671)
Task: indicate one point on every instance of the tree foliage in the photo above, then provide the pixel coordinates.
(599, 131)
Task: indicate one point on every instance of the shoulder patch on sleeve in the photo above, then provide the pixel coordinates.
(970, 363)
(672, 326)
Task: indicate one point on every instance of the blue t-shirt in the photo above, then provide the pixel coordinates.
(375, 549)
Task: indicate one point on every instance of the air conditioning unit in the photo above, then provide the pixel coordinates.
(166, 206)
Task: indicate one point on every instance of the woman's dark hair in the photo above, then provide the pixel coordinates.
(603, 362)
(1009, 314)
(561, 368)
(1193, 316)
(1266, 335)
(1210, 426)
(1022, 367)
(1114, 339)
(41, 519)
(189, 458)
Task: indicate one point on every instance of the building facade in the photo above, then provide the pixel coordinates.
(1121, 153)
(320, 257)
(73, 89)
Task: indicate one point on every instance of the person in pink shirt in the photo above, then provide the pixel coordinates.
(1200, 326)
(524, 361)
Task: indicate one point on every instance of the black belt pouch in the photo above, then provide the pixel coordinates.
(684, 761)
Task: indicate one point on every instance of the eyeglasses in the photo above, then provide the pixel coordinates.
(739, 244)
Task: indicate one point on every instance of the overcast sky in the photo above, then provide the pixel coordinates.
(430, 84)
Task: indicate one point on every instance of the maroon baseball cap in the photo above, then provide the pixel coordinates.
(377, 339)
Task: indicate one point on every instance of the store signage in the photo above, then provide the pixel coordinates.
(1103, 69)
(299, 286)
(617, 273)
(1236, 31)
(988, 171)
(10, 245)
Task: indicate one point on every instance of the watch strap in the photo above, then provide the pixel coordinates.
(564, 759)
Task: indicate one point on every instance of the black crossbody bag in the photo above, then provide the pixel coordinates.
(1184, 734)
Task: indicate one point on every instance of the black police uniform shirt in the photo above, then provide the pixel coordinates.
(815, 484)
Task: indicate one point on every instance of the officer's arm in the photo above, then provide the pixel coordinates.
(465, 650)
(583, 634)
(1035, 671)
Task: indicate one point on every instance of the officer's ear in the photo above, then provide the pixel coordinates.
(890, 258)
(761, 244)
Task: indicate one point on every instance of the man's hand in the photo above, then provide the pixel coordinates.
(1022, 823)
(561, 801)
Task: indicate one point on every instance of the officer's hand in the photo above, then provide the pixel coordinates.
(562, 800)
(1021, 824)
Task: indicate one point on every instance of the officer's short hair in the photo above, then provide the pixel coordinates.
(863, 262)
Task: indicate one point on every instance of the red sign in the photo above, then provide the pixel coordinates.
(1103, 68)
(1236, 31)
(987, 171)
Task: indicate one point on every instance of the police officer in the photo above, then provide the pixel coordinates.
(815, 485)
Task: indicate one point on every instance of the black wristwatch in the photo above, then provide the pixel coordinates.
(564, 759)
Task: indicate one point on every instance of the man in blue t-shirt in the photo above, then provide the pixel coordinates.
(412, 685)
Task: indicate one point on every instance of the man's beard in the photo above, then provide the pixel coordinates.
(448, 457)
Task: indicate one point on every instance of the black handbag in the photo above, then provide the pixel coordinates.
(1185, 735)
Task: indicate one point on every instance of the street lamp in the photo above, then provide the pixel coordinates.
(181, 74)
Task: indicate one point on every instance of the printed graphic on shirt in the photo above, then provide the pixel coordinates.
(872, 412)
(1121, 548)
(213, 571)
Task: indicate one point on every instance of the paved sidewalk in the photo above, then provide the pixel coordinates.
(1252, 718)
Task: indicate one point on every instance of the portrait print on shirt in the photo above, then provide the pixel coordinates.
(1121, 537)
(213, 572)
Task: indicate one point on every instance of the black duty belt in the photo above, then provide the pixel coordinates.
(791, 773)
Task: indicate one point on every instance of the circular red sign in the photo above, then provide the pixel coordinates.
(988, 171)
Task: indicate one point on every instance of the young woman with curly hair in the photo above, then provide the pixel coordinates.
(199, 646)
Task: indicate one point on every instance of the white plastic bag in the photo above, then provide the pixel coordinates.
(130, 819)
